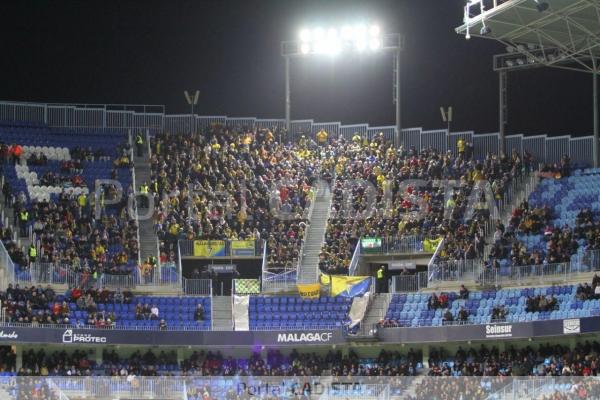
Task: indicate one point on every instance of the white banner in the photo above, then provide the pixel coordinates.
(240, 313)
(358, 309)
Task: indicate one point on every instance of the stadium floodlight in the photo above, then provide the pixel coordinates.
(485, 30)
(374, 30)
(541, 5)
(361, 38)
(375, 44)
(520, 61)
(510, 63)
(305, 35)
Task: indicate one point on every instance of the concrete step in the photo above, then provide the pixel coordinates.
(222, 313)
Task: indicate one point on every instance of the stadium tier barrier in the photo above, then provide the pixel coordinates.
(355, 387)
(153, 119)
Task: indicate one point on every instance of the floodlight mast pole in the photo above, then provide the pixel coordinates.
(398, 140)
(287, 94)
(392, 42)
(502, 109)
(596, 133)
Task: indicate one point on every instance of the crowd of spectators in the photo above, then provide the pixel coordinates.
(545, 360)
(376, 195)
(32, 388)
(460, 318)
(560, 245)
(226, 184)
(36, 305)
(8, 359)
(499, 314)
(57, 363)
(541, 303)
(579, 389)
(586, 291)
(91, 234)
(138, 363)
(436, 301)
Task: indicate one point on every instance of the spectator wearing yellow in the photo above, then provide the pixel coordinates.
(322, 137)
(460, 145)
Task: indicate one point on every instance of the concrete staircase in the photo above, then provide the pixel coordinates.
(522, 192)
(315, 235)
(148, 239)
(377, 309)
(222, 318)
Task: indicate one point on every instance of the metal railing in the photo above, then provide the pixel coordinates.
(355, 260)
(197, 287)
(63, 274)
(116, 327)
(112, 387)
(397, 244)
(135, 200)
(325, 387)
(434, 257)
(408, 283)
(308, 217)
(7, 268)
(476, 271)
(153, 118)
(279, 281)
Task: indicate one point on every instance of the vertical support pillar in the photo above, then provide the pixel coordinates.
(502, 108)
(180, 355)
(98, 355)
(287, 94)
(425, 360)
(596, 133)
(19, 354)
(397, 98)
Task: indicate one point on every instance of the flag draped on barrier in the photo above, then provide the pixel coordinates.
(209, 248)
(346, 286)
(309, 291)
(242, 247)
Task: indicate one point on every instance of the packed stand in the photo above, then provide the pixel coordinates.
(224, 184)
(370, 198)
(79, 225)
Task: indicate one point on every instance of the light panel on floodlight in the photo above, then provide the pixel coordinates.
(305, 35)
(333, 40)
(375, 44)
(318, 34)
(347, 32)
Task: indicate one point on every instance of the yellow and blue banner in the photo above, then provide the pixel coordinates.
(242, 247)
(209, 248)
(309, 290)
(350, 286)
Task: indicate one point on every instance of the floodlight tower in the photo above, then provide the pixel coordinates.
(361, 39)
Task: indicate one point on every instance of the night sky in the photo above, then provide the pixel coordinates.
(148, 52)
